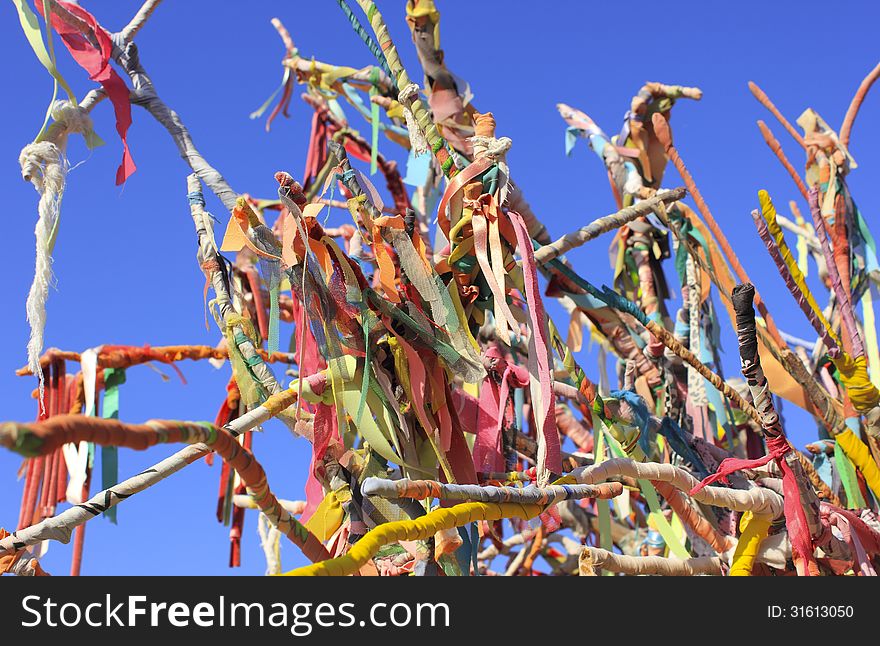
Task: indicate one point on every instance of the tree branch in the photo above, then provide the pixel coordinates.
(131, 29)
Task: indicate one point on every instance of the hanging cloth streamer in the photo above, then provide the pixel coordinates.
(77, 455)
(754, 530)
(113, 378)
(96, 61)
(374, 121)
(43, 164)
(777, 444)
(30, 25)
(540, 363)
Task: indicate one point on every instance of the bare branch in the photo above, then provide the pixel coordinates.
(285, 35)
(125, 54)
(604, 224)
(144, 94)
(853, 110)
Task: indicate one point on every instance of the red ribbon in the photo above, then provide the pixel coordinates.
(96, 61)
(795, 519)
(316, 156)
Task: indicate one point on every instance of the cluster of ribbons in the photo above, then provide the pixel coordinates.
(64, 475)
(453, 430)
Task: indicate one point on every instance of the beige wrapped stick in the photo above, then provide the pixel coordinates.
(605, 224)
(595, 557)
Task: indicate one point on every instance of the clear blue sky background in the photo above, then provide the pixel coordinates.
(125, 258)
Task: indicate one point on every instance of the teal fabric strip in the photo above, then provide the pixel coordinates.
(113, 378)
(463, 553)
(374, 122)
(274, 316)
(571, 136)
(822, 465)
(870, 246)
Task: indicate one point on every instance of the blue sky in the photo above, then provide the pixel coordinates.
(125, 257)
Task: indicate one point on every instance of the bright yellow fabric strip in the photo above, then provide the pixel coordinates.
(412, 530)
(858, 453)
(754, 530)
(329, 77)
(854, 375)
(871, 337)
(327, 518)
(853, 372)
(769, 213)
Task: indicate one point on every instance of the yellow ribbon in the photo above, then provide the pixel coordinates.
(768, 211)
(413, 530)
(30, 25)
(753, 530)
(858, 453)
(328, 516)
(853, 371)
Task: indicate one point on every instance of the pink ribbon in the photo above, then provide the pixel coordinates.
(548, 433)
(861, 537)
(490, 416)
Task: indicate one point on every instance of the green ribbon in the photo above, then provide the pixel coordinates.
(602, 506)
(227, 498)
(273, 282)
(848, 478)
(256, 114)
(113, 378)
(30, 25)
(374, 121)
(688, 230)
(650, 496)
(365, 384)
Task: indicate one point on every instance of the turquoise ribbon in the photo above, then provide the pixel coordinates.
(374, 121)
(113, 378)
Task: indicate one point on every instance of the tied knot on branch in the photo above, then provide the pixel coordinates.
(42, 161)
(484, 141)
(494, 148)
(71, 117)
(777, 448)
(41, 165)
(417, 140)
(795, 518)
(408, 94)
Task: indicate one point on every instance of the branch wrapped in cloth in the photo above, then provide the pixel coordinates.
(794, 481)
(757, 500)
(595, 557)
(411, 530)
(605, 224)
(41, 438)
(125, 356)
(549, 495)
